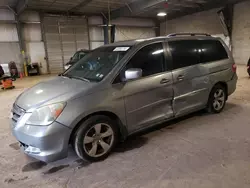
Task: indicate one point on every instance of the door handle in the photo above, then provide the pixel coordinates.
(164, 81)
(180, 77)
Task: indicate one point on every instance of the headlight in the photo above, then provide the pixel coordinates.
(46, 115)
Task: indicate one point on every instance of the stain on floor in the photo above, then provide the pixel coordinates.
(15, 146)
(55, 169)
(12, 180)
(33, 166)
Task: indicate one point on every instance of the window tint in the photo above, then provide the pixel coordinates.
(150, 59)
(81, 55)
(212, 50)
(184, 53)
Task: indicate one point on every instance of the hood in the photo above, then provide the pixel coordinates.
(56, 90)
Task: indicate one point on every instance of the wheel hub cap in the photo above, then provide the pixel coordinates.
(219, 99)
(98, 140)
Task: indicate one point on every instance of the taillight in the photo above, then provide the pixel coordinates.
(234, 67)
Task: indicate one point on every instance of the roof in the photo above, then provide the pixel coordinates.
(175, 35)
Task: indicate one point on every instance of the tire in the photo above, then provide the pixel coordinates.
(248, 71)
(96, 138)
(217, 99)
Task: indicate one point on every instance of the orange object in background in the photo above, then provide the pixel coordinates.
(7, 84)
(21, 75)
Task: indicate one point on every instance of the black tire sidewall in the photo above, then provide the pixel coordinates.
(82, 130)
(211, 99)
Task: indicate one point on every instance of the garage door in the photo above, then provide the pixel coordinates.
(129, 33)
(64, 36)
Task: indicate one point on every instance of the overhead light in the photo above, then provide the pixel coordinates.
(105, 25)
(161, 14)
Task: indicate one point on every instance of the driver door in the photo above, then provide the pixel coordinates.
(148, 100)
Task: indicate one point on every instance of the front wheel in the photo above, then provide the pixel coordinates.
(217, 99)
(96, 138)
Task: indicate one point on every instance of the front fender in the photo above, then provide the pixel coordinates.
(79, 108)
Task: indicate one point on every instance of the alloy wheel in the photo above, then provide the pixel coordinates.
(98, 140)
(219, 99)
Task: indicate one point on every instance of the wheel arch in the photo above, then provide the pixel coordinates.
(122, 128)
(224, 84)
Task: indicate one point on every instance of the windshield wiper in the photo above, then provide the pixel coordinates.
(76, 77)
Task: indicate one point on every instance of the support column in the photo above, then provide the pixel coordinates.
(44, 42)
(105, 30)
(22, 46)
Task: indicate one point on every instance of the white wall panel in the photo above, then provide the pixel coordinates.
(137, 22)
(30, 16)
(6, 14)
(96, 33)
(129, 33)
(96, 36)
(202, 22)
(64, 36)
(94, 45)
(241, 32)
(10, 51)
(95, 20)
(32, 32)
(8, 33)
(37, 53)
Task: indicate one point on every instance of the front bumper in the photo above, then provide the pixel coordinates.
(45, 143)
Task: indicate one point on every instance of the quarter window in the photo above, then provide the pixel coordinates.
(212, 50)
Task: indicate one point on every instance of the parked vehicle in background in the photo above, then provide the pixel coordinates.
(248, 67)
(122, 88)
(76, 57)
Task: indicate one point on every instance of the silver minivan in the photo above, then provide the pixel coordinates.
(122, 88)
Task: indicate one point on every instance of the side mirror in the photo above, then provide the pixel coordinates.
(71, 58)
(133, 73)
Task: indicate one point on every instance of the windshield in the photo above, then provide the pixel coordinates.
(97, 64)
(75, 57)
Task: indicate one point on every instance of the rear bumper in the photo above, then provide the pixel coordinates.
(232, 85)
(45, 143)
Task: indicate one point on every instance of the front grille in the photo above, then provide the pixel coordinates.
(17, 112)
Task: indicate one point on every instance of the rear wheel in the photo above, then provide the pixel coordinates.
(96, 138)
(217, 99)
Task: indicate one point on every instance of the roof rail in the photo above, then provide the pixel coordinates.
(188, 34)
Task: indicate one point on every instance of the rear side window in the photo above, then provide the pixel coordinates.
(212, 50)
(184, 53)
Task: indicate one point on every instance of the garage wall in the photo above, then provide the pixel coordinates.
(132, 28)
(241, 32)
(96, 33)
(9, 46)
(64, 36)
(203, 22)
(32, 36)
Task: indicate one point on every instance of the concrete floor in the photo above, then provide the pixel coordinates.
(198, 151)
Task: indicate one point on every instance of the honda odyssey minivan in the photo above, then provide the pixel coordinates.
(122, 88)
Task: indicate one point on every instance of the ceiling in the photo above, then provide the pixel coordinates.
(11, 3)
(118, 8)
